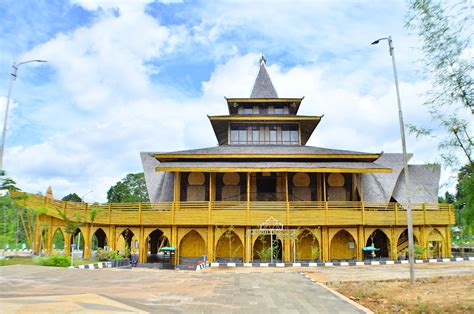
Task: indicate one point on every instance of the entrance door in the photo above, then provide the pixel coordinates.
(266, 186)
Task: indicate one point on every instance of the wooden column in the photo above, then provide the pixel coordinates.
(210, 243)
(50, 235)
(361, 243)
(287, 199)
(325, 244)
(248, 198)
(37, 242)
(174, 243)
(247, 247)
(142, 251)
(87, 241)
(447, 252)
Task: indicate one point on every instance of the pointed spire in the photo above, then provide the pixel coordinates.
(49, 193)
(263, 87)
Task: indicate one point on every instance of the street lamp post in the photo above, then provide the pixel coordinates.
(405, 162)
(4, 133)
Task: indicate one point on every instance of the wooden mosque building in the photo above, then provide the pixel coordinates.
(262, 194)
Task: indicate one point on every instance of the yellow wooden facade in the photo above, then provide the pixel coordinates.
(199, 228)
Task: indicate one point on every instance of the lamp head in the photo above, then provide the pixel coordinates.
(375, 42)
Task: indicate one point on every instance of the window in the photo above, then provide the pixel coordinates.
(264, 134)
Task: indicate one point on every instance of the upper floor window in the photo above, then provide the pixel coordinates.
(263, 110)
(264, 134)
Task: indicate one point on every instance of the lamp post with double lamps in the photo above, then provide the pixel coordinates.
(4, 133)
(411, 257)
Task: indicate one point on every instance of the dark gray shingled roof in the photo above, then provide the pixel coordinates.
(263, 87)
(267, 150)
(272, 165)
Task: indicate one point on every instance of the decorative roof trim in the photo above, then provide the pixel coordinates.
(265, 118)
(269, 169)
(165, 156)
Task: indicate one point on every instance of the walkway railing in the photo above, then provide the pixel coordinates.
(251, 213)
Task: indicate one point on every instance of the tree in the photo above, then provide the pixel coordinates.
(445, 34)
(465, 197)
(132, 188)
(72, 197)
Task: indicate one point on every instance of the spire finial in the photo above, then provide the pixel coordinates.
(263, 61)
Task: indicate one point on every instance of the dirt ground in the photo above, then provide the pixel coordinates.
(427, 295)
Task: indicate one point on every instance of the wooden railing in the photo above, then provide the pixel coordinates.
(308, 213)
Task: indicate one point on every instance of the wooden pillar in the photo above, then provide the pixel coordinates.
(447, 245)
(50, 235)
(394, 244)
(177, 188)
(210, 243)
(142, 251)
(112, 238)
(67, 243)
(248, 198)
(361, 243)
(174, 243)
(424, 241)
(37, 242)
(325, 244)
(319, 193)
(87, 241)
(287, 199)
(354, 187)
(247, 249)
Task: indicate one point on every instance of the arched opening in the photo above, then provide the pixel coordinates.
(127, 236)
(58, 240)
(307, 247)
(77, 240)
(379, 240)
(435, 244)
(99, 239)
(343, 246)
(229, 248)
(402, 243)
(155, 241)
(191, 248)
(262, 249)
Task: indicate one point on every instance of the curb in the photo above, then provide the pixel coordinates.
(341, 296)
(93, 266)
(329, 264)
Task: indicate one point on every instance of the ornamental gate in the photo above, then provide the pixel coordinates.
(273, 226)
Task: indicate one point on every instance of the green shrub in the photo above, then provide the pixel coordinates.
(103, 255)
(54, 260)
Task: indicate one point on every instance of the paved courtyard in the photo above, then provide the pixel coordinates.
(239, 290)
(25, 288)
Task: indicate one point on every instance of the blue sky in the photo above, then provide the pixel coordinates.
(130, 76)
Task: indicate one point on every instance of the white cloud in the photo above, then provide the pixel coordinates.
(103, 73)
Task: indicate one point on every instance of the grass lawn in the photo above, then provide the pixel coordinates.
(30, 261)
(427, 295)
(17, 261)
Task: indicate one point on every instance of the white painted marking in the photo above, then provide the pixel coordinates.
(375, 263)
(360, 264)
(214, 264)
(405, 262)
(459, 259)
(280, 265)
(390, 262)
(446, 260)
(432, 260)
(231, 265)
(313, 264)
(328, 264)
(419, 261)
(247, 264)
(344, 264)
(296, 264)
(263, 264)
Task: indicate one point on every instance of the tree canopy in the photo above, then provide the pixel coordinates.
(72, 197)
(132, 188)
(444, 29)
